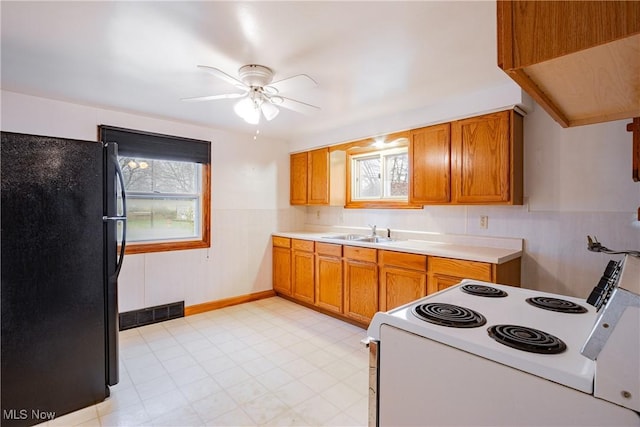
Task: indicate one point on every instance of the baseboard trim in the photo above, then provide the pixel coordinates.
(227, 302)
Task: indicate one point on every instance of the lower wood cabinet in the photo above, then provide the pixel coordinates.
(302, 270)
(445, 272)
(355, 282)
(360, 283)
(403, 278)
(329, 273)
(282, 265)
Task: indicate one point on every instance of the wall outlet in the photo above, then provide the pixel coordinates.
(484, 222)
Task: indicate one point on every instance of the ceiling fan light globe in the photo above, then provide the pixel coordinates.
(244, 107)
(269, 110)
(248, 110)
(252, 117)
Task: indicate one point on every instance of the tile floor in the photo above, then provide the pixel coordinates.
(264, 363)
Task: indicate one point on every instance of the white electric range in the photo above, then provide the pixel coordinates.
(485, 354)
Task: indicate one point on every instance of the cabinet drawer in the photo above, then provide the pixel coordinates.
(460, 268)
(302, 245)
(360, 254)
(329, 249)
(281, 242)
(404, 260)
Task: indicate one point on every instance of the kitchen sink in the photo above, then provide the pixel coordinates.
(347, 237)
(375, 239)
(360, 238)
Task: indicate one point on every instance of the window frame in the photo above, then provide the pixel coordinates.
(167, 147)
(381, 155)
(177, 245)
(368, 147)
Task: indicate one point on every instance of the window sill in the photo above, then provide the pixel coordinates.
(144, 248)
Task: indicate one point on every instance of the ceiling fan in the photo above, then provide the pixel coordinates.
(259, 95)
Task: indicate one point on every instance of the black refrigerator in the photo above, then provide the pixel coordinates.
(62, 245)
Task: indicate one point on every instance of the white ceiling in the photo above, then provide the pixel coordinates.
(370, 59)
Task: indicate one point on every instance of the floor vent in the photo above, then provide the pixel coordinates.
(149, 315)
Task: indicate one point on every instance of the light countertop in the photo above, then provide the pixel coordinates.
(494, 250)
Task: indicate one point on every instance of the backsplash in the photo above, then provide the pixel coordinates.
(555, 243)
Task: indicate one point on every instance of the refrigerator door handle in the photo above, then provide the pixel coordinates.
(123, 218)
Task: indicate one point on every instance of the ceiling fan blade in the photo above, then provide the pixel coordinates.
(293, 83)
(224, 76)
(214, 97)
(292, 104)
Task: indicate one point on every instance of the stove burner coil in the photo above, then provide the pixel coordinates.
(527, 339)
(483, 291)
(449, 315)
(556, 304)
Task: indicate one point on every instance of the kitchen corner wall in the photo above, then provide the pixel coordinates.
(250, 200)
(577, 182)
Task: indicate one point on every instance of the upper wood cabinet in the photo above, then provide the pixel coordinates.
(298, 179)
(580, 60)
(430, 165)
(487, 159)
(310, 178)
(318, 177)
(477, 160)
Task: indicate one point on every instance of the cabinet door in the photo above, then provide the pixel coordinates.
(361, 290)
(298, 179)
(429, 164)
(329, 283)
(438, 282)
(282, 270)
(318, 177)
(302, 273)
(481, 159)
(399, 286)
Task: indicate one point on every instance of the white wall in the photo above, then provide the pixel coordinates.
(487, 100)
(577, 183)
(250, 199)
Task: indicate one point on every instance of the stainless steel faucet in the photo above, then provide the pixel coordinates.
(373, 229)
